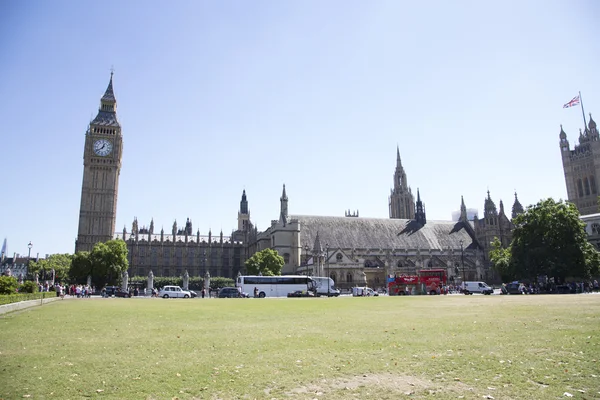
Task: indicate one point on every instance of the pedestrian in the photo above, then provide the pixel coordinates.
(203, 293)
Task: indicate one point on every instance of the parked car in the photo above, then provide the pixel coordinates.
(514, 288)
(231, 292)
(115, 291)
(174, 291)
(301, 293)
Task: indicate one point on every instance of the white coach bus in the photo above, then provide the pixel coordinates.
(274, 286)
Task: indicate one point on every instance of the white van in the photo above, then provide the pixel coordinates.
(476, 287)
(363, 291)
(321, 283)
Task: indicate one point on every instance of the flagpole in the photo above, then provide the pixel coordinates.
(583, 112)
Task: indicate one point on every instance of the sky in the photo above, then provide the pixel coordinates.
(217, 97)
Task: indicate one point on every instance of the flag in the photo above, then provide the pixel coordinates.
(573, 102)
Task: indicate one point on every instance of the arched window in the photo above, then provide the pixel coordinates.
(429, 264)
(286, 258)
(399, 264)
(349, 277)
(579, 187)
(339, 257)
(593, 184)
(586, 183)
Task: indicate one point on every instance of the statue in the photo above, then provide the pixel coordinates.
(125, 281)
(20, 279)
(207, 281)
(89, 281)
(364, 278)
(186, 280)
(8, 272)
(150, 285)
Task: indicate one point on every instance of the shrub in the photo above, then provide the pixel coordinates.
(8, 285)
(28, 287)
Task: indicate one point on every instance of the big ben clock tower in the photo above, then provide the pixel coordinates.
(101, 167)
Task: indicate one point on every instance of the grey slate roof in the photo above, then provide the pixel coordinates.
(380, 233)
(106, 118)
(109, 95)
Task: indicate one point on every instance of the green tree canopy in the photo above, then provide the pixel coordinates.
(266, 262)
(550, 239)
(105, 263)
(500, 258)
(61, 263)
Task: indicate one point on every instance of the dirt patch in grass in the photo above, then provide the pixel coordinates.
(393, 385)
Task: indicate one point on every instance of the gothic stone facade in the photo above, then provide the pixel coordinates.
(354, 250)
(101, 167)
(183, 250)
(582, 168)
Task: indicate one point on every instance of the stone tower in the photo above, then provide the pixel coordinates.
(101, 167)
(582, 167)
(244, 214)
(402, 201)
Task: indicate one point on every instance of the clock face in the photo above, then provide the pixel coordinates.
(102, 147)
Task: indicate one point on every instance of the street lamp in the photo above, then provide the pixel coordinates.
(306, 249)
(462, 260)
(327, 261)
(29, 246)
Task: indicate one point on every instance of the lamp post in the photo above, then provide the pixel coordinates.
(131, 262)
(327, 261)
(29, 246)
(462, 261)
(306, 248)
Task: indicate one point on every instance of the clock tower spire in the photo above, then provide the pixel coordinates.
(101, 168)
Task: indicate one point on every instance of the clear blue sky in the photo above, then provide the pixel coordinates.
(219, 96)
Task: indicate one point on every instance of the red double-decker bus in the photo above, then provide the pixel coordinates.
(428, 281)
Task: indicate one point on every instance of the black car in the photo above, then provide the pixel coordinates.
(230, 292)
(116, 291)
(514, 288)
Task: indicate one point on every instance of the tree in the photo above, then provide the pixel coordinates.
(60, 263)
(8, 284)
(550, 239)
(80, 266)
(266, 262)
(501, 262)
(105, 263)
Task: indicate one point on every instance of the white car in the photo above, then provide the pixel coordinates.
(174, 291)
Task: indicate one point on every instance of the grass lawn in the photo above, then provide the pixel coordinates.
(471, 347)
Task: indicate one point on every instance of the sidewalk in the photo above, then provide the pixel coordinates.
(21, 305)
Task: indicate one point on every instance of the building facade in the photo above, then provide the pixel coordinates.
(101, 168)
(355, 250)
(401, 200)
(581, 166)
(183, 250)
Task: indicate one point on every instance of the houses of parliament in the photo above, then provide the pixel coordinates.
(349, 248)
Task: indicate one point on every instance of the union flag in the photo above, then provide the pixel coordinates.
(573, 102)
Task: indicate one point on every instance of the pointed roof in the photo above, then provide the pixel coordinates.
(592, 123)
(463, 209)
(489, 205)
(562, 134)
(517, 208)
(283, 194)
(317, 248)
(107, 115)
(398, 160)
(109, 95)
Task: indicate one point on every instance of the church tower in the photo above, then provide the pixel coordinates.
(582, 168)
(244, 214)
(401, 201)
(101, 167)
